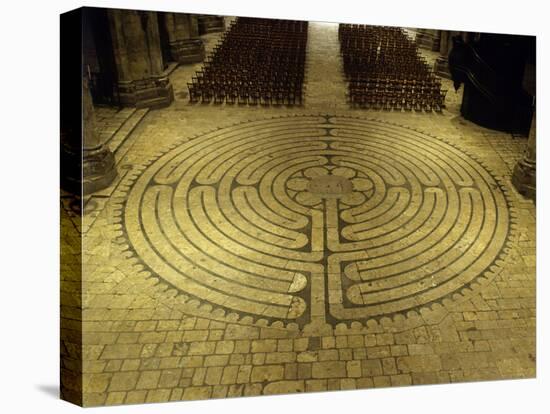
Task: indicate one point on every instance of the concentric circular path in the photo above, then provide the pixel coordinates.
(316, 219)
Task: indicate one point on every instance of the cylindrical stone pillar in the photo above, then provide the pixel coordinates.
(441, 65)
(138, 57)
(185, 45)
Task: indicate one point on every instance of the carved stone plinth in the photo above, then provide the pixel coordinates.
(87, 163)
(187, 51)
(524, 177)
(83, 170)
(211, 24)
(428, 39)
(153, 92)
(98, 169)
(441, 67)
(71, 161)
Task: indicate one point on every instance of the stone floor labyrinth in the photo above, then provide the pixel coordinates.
(311, 221)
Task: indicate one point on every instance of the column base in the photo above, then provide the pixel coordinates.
(441, 67)
(154, 92)
(187, 51)
(524, 178)
(98, 170)
(427, 40)
(211, 24)
(85, 175)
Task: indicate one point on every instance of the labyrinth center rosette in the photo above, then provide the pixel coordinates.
(316, 217)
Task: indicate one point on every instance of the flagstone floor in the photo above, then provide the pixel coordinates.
(252, 250)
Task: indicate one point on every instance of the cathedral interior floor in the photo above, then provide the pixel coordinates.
(259, 250)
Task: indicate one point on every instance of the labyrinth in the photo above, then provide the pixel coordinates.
(316, 220)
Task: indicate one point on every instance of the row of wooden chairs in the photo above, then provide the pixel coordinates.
(257, 61)
(258, 25)
(387, 96)
(385, 70)
(397, 83)
(246, 96)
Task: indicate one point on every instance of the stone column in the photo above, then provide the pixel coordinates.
(183, 37)
(98, 162)
(524, 177)
(441, 66)
(138, 57)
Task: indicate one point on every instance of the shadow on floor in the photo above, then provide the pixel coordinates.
(49, 389)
